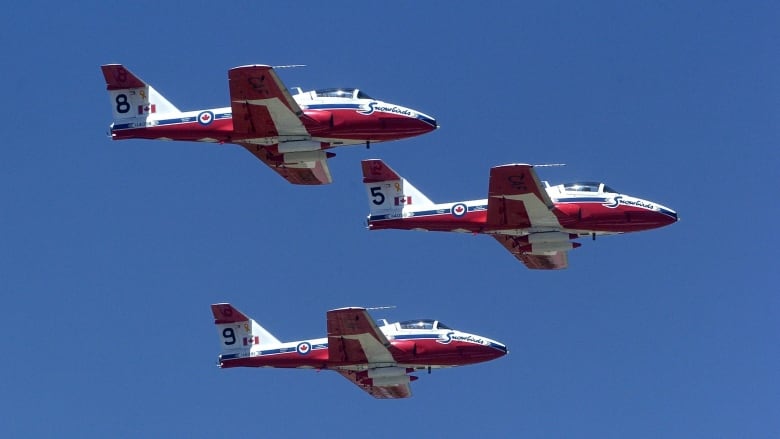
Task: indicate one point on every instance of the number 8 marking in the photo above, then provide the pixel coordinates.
(122, 106)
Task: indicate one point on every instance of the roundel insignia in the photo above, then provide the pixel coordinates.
(205, 117)
(459, 210)
(303, 348)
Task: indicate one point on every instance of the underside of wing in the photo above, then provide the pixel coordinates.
(516, 199)
(309, 168)
(353, 338)
(262, 107)
(553, 261)
(394, 391)
(536, 259)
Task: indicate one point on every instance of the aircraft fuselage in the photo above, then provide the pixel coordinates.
(328, 124)
(603, 215)
(436, 349)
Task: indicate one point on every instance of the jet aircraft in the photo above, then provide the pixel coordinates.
(290, 133)
(535, 222)
(377, 358)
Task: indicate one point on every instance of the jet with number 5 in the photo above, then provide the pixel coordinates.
(536, 223)
(377, 358)
(290, 133)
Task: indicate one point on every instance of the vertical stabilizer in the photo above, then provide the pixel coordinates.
(132, 98)
(389, 194)
(238, 334)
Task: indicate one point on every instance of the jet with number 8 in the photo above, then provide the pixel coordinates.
(377, 358)
(290, 133)
(535, 223)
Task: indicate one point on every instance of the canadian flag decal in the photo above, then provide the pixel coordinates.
(251, 340)
(403, 200)
(143, 109)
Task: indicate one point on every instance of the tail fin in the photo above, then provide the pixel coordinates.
(132, 98)
(388, 192)
(238, 333)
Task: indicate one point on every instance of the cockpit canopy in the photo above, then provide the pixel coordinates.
(588, 186)
(423, 324)
(348, 93)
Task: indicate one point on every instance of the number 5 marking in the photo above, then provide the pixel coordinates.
(379, 197)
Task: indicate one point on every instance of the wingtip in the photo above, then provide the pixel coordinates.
(349, 308)
(250, 66)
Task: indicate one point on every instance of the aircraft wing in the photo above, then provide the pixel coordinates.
(264, 110)
(262, 107)
(382, 392)
(553, 260)
(312, 171)
(353, 338)
(516, 199)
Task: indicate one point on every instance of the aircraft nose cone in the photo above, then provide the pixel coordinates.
(428, 120)
(668, 216)
(654, 220)
(502, 349)
(476, 349)
(644, 215)
(494, 349)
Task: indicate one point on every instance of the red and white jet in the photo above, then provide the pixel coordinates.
(291, 134)
(535, 223)
(378, 359)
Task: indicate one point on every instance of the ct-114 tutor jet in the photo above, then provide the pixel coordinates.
(288, 133)
(378, 359)
(535, 223)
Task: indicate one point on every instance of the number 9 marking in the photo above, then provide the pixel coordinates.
(229, 335)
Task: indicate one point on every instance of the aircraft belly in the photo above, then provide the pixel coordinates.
(316, 358)
(436, 353)
(349, 124)
(621, 219)
(219, 130)
(470, 223)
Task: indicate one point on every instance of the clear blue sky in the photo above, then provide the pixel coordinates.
(111, 252)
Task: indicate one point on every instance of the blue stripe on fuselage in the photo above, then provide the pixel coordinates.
(582, 200)
(287, 350)
(334, 107)
(417, 336)
(164, 122)
(419, 213)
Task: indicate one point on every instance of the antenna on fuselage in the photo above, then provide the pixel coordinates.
(299, 90)
(548, 165)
